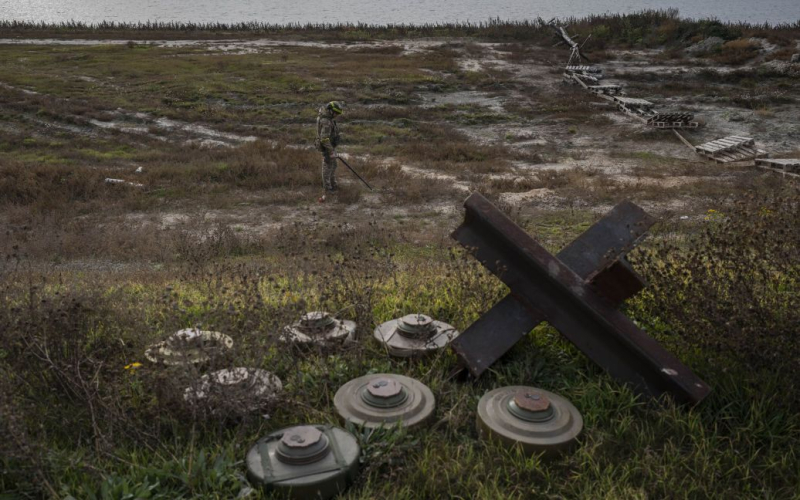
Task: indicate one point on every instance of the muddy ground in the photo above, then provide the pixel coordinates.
(529, 141)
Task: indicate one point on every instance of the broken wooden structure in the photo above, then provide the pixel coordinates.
(725, 150)
(785, 166)
(577, 292)
(730, 149)
(608, 89)
(589, 70)
(584, 79)
(672, 120)
(575, 54)
(641, 109)
(634, 106)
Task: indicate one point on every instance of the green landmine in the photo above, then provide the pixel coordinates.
(385, 400)
(536, 420)
(305, 462)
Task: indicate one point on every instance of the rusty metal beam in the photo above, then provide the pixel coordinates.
(545, 285)
(592, 255)
(494, 334)
(607, 240)
(617, 282)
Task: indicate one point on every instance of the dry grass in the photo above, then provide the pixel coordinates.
(67, 337)
(737, 52)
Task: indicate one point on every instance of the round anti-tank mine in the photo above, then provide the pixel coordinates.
(385, 400)
(414, 335)
(305, 462)
(238, 390)
(189, 346)
(318, 327)
(535, 419)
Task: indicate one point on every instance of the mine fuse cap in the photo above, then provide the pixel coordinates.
(309, 461)
(385, 400)
(535, 419)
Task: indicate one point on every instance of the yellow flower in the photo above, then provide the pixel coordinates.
(133, 366)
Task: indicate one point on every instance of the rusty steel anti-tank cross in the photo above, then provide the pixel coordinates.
(577, 292)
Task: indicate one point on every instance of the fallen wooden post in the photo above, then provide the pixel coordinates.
(683, 140)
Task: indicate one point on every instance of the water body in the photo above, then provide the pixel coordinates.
(380, 11)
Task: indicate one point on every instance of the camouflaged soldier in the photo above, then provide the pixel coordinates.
(327, 140)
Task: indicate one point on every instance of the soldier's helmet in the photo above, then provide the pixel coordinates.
(335, 107)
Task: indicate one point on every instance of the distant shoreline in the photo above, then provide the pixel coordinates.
(647, 28)
(271, 14)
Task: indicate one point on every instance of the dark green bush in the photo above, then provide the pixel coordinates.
(715, 28)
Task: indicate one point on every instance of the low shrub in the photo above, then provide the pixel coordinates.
(736, 52)
(49, 186)
(731, 292)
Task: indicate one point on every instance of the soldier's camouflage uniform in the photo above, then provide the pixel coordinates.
(327, 140)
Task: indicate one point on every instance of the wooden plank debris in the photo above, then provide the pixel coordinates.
(785, 166)
(572, 77)
(635, 107)
(591, 74)
(724, 144)
(633, 102)
(672, 120)
(605, 90)
(684, 140)
(729, 149)
(585, 69)
(594, 79)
